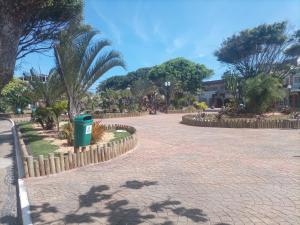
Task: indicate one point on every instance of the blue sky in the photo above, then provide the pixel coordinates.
(150, 32)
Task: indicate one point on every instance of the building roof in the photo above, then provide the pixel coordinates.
(212, 82)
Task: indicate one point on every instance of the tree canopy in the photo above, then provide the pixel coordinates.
(16, 93)
(122, 82)
(294, 49)
(184, 74)
(187, 74)
(257, 50)
(28, 26)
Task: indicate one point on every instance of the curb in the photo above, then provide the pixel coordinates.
(22, 201)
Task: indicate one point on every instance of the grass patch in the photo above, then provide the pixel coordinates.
(35, 143)
(119, 135)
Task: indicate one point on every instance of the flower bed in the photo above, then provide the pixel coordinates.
(59, 162)
(195, 120)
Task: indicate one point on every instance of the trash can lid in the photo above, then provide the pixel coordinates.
(83, 117)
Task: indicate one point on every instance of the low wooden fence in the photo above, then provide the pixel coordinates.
(59, 162)
(12, 116)
(175, 111)
(117, 115)
(241, 123)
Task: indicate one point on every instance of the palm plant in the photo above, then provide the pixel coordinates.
(80, 61)
(48, 91)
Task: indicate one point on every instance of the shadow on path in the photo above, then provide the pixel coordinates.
(116, 211)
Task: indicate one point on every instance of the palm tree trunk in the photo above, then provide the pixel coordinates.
(72, 109)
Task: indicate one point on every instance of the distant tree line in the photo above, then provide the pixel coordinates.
(147, 87)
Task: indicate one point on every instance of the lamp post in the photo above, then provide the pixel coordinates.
(289, 87)
(167, 85)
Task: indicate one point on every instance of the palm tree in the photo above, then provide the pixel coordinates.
(49, 91)
(81, 60)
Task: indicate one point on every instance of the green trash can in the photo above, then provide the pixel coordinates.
(83, 130)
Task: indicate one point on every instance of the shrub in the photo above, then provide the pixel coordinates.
(97, 132)
(44, 116)
(190, 108)
(286, 110)
(295, 115)
(58, 108)
(261, 92)
(67, 133)
(200, 105)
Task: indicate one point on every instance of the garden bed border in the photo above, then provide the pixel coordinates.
(118, 115)
(241, 123)
(59, 162)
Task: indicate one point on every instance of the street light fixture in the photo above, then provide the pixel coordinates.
(167, 85)
(289, 87)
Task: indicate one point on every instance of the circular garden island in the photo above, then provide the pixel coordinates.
(243, 121)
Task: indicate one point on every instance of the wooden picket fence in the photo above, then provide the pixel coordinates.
(13, 116)
(175, 111)
(117, 115)
(241, 123)
(59, 162)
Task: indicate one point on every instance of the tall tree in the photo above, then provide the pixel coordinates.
(257, 50)
(81, 60)
(186, 75)
(28, 26)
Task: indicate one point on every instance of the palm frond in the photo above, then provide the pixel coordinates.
(103, 63)
(80, 61)
(91, 54)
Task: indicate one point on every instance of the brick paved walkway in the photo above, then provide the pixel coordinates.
(180, 174)
(8, 209)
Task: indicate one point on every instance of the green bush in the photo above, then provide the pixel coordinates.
(200, 106)
(67, 133)
(58, 108)
(45, 117)
(261, 93)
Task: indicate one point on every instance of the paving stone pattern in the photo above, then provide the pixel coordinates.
(180, 174)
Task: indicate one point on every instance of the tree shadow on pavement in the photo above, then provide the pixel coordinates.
(100, 204)
(194, 214)
(10, 220)
(135, 184)
(38, 211)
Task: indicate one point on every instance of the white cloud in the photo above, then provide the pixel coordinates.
(177, 43)
(138, 24)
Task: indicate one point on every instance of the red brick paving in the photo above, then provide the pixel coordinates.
(180, 174)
